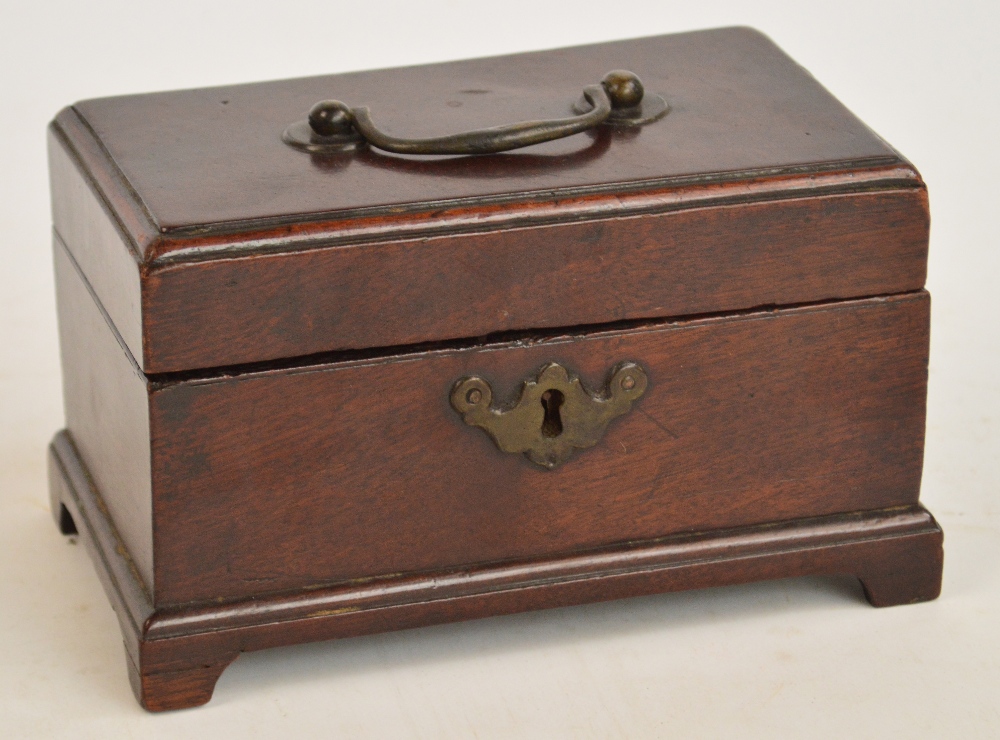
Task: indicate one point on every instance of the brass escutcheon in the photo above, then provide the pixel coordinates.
(554, 416)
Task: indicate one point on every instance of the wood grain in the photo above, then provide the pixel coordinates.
(710, 259)
(758, 189)
(107, 411)
(178, 654)
(258, 349)
(311, 475)
(100, 246)
(739, 105)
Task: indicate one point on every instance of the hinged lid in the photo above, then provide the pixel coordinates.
(211, 242)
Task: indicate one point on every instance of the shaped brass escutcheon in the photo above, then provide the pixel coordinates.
(554, 416)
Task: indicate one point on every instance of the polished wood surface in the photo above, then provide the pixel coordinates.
(285, 477)
(100, 246)
(107, 412)
(757, 189)
(259, 348)
(176, 655)
(749, 418)
(714, 259)
(215, 156)
(344, 498)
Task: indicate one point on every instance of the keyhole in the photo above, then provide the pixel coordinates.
(552, 423)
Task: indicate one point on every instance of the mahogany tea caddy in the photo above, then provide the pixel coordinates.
(332, 368)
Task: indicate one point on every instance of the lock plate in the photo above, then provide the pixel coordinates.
(554, 415)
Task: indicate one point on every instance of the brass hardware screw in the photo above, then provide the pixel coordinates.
(474, 396)
(628, 382)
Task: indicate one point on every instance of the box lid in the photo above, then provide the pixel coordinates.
(210, 242)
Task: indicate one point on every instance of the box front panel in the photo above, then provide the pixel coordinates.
(713, 259)
(294, 478)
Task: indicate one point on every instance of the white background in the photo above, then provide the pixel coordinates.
(802, 658)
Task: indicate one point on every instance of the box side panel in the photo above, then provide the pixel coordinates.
(289, 479)
(693, 261)
(107, 412)
(89, 229)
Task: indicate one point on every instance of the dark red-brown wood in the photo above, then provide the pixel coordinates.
(259, 348)
(739, 105)
(176, 655)
(284, 477)
(694, 261)
(758, 189)
(292, 474)
(106, 404)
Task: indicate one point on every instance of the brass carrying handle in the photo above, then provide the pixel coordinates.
(333, 126)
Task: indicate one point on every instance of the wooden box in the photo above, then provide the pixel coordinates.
(317, 389)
